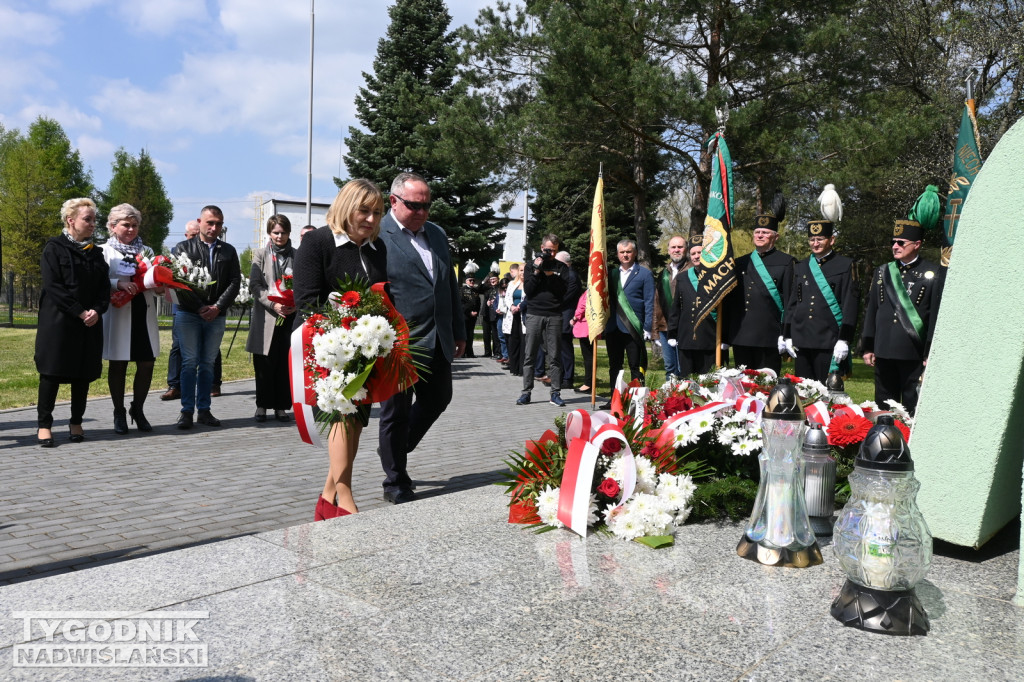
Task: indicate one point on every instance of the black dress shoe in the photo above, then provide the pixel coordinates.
(45, 442)
(261, 415)
(205, 417)
(76, 437)
(139, 419)
(399, 496)
(281, 416)
(184, 420)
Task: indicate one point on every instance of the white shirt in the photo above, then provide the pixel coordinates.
(419, 242)
(341, 239)
(624, 274)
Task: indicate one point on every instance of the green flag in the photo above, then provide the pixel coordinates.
(718, 267)
(966, 164)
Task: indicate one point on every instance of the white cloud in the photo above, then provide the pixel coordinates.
(162, 16)
(75, 6)
(28, 27)
(69, 117)
(96, 151)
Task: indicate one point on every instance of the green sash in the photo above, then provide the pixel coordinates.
(908, 308)
(768, 282)
(666, 285)
(625, 309)
(694, 282)
(830, 298)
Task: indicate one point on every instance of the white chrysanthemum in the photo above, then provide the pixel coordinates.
(592, 511)
(842, 399)
(754, 430)
(731, 433)
(703, 424)
(811, 389)
(743, 447)
(682, 515)
(899, 410)
(685, 434)
(646, 475)
(547, 506)
(869, 405)
(685, 484)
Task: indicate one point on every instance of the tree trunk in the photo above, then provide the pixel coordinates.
(643, 239)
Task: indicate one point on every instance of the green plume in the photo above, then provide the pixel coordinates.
(928, 208)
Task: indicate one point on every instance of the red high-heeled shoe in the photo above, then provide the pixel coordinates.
(326, 510)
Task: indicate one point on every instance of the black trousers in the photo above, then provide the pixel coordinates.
(404, 421)
(515, 345)
(757, 357)
(470, 333)
(491, 347)
(813, 363)
(273, 391)
(898, 380)
(695, 361)
(48, 387)
(619, 344)
(587, 354)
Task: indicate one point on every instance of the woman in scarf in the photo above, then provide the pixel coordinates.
(69, 337)
(271, 323)
(130, 332)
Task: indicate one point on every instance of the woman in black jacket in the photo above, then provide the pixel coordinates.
(348, 246)
(69, 336)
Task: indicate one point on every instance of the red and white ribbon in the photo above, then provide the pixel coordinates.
(578, 476)
(749, 405)
(677, 420)
(818, 412)
(849, 409)
(301, 381)
(582, 424)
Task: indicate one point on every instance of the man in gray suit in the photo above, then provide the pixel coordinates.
(426, 292)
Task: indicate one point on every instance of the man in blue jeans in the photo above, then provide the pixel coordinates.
(200, 319)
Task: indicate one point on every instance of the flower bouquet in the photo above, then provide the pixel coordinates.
(193, 275)
(353, 351)
(149, 274)
(244, 296)
(285, 293)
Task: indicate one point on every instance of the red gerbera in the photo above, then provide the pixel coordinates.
(794, 378)
(346, 322)
(848, 429)
(350, 298)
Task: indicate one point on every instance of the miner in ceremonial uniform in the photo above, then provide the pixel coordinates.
(821, 314)
(665, 298)
(755, 308)
(903, 303)
(695, 348)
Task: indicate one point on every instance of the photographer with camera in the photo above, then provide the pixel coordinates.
(550, 288)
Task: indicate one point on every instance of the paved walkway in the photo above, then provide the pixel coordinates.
(118, 497)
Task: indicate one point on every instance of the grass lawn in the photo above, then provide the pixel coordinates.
(19, 381)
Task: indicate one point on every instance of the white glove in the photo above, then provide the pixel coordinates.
(782, 345)
(841, 351)
(725, 346)
(673, 342)
(790, 348)
(657, 342)
(647, 336)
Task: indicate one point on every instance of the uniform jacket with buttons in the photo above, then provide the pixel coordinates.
(680, 320)
(752, 318)
(883, 334)
(809, 320)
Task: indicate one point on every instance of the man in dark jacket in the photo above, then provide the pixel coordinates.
(903, 304)
(550, 288)
(201, 315)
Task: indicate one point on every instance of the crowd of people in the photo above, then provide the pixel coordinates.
(529, 316)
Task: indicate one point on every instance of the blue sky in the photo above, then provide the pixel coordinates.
(215, 90)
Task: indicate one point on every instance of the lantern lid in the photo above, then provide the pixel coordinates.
(784, 402)
(834, 382)
(884, 449)
(816, 441)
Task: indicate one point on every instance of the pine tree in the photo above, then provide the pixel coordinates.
(413, 80)
(136, 181)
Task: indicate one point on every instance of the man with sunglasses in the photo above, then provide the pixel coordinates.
(903, 303)
(426, 293)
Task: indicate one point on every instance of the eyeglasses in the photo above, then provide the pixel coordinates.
(901, 242)
(414, 205)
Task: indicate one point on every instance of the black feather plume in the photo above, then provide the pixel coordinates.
(779, 206)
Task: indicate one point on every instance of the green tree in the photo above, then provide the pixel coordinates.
(136, 181)
(413, 80)
(40, 171)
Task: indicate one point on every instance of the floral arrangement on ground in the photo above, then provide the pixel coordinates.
(686, 450)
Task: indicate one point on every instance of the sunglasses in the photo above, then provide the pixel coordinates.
(901, 242)
(414, 205)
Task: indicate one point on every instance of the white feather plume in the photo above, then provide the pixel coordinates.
(831, 205)
(471, 267)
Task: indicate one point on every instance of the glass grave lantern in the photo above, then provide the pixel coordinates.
(819, 480)
(836, 386)
(881, 539)
(779, 532)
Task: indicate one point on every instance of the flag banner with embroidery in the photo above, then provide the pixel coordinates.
(717, 272)
(597, 269)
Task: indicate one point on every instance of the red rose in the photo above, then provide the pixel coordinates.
(346, 322)
(751, 372)
(609, 488)
(848, 429)
(350, 299)
(611, 446)
(676, 404)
